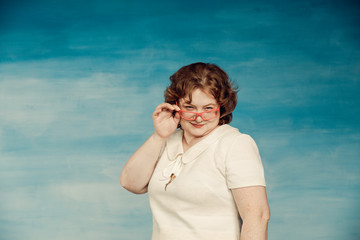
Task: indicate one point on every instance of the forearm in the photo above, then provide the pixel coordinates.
(254, 229)
(138, 170)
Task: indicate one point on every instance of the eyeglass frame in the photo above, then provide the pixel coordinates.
(199, 114)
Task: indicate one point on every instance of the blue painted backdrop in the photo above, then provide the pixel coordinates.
(80, 79)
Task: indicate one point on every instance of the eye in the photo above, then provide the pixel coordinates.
(209, 108)
(188, 107)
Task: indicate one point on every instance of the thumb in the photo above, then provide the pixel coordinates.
(177, 116)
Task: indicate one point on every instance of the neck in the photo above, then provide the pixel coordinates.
(189, 141)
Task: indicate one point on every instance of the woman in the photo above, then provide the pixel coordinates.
(205, 180)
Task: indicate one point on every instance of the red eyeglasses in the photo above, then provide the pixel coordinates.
(207, 115)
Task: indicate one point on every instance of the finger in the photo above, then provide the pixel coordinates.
(177, 116)
(176, 107)
(163, 113)
(159, 108)
(163, 107)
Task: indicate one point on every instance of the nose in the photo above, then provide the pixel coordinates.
(198, 119)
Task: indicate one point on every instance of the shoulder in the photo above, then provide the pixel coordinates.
(173, 144)
(232, 134)
(175, 136)
(236, 140)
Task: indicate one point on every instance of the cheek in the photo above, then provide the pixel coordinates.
(183, 122)
(217, 120)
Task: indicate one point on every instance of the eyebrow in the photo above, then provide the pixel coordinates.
(206, 105)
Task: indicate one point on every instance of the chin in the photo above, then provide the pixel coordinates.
(199, 129)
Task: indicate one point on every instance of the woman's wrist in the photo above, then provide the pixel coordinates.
(155, 136)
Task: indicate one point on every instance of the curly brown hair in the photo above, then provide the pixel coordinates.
(204, 76)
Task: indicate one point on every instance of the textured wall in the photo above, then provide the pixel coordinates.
(80, 79)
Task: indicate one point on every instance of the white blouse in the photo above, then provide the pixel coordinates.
(198, 204)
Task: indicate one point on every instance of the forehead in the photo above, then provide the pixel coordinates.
(199, 96)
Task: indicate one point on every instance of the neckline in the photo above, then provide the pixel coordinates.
(197, 142)
(175, 148)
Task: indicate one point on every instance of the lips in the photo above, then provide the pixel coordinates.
(197, 125)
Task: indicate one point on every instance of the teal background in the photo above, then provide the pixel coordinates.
(80, 79)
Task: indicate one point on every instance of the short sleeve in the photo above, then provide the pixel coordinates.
(243, 167)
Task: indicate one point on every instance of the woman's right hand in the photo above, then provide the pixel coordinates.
(165, 122)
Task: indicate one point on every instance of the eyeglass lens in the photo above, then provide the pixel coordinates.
(204, 115)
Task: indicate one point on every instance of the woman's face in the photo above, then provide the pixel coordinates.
(201, 101)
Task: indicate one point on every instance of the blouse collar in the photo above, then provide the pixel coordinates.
(175, 148)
